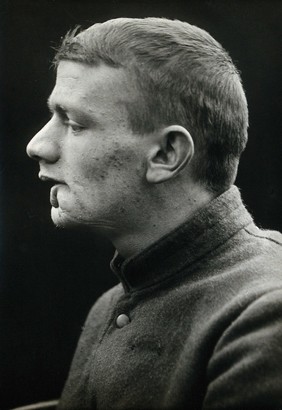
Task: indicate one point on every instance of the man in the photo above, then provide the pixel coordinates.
(149, 120)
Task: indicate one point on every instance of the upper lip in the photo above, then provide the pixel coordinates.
(49, 179)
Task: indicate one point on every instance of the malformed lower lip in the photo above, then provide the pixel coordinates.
(54, 185)
(54, 196)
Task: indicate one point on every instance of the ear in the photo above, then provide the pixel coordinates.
(170, 152)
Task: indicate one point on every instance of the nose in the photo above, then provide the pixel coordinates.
(44, 145)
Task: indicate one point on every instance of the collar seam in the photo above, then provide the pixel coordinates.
(180, 269)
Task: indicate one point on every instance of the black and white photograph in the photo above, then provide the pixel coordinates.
(141, 205)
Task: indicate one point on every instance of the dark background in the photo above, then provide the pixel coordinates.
(50, 278)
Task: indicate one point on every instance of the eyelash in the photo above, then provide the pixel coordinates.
(74, 127)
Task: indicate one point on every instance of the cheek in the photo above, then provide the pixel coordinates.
(108, 166)
(83, 165)
(105, 176)
(94, 169)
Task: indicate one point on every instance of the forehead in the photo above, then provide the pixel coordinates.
(101, 87)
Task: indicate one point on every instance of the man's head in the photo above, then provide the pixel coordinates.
(145, 113)
(180, 75)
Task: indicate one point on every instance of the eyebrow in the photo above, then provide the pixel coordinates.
(63, 111)
(56, 107)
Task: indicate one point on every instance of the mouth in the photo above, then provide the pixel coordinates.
(45, 178)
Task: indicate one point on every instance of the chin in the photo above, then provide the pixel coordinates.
(62, 219)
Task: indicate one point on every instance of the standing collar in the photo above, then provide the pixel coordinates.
(209, 227)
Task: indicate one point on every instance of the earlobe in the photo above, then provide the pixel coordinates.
(172, 150)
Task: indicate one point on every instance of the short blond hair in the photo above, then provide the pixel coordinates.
(183, 76)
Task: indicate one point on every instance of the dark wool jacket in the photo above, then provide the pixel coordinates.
(196, 322)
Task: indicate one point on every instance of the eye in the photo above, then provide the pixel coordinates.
(74, 126)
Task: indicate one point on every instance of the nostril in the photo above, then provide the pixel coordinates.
(35, 157)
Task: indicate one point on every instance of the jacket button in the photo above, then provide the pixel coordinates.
(122, 320)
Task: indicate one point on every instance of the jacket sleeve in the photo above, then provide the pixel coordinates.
(245, 370)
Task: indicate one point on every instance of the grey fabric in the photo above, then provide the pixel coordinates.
(205, 329)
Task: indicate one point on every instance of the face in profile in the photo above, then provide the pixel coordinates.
(88, 150)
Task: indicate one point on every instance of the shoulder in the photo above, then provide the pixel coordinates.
(265, 237)
(253, 258)
(245, 368)
(266, 249)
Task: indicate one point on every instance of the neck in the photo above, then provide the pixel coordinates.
(164, 216)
